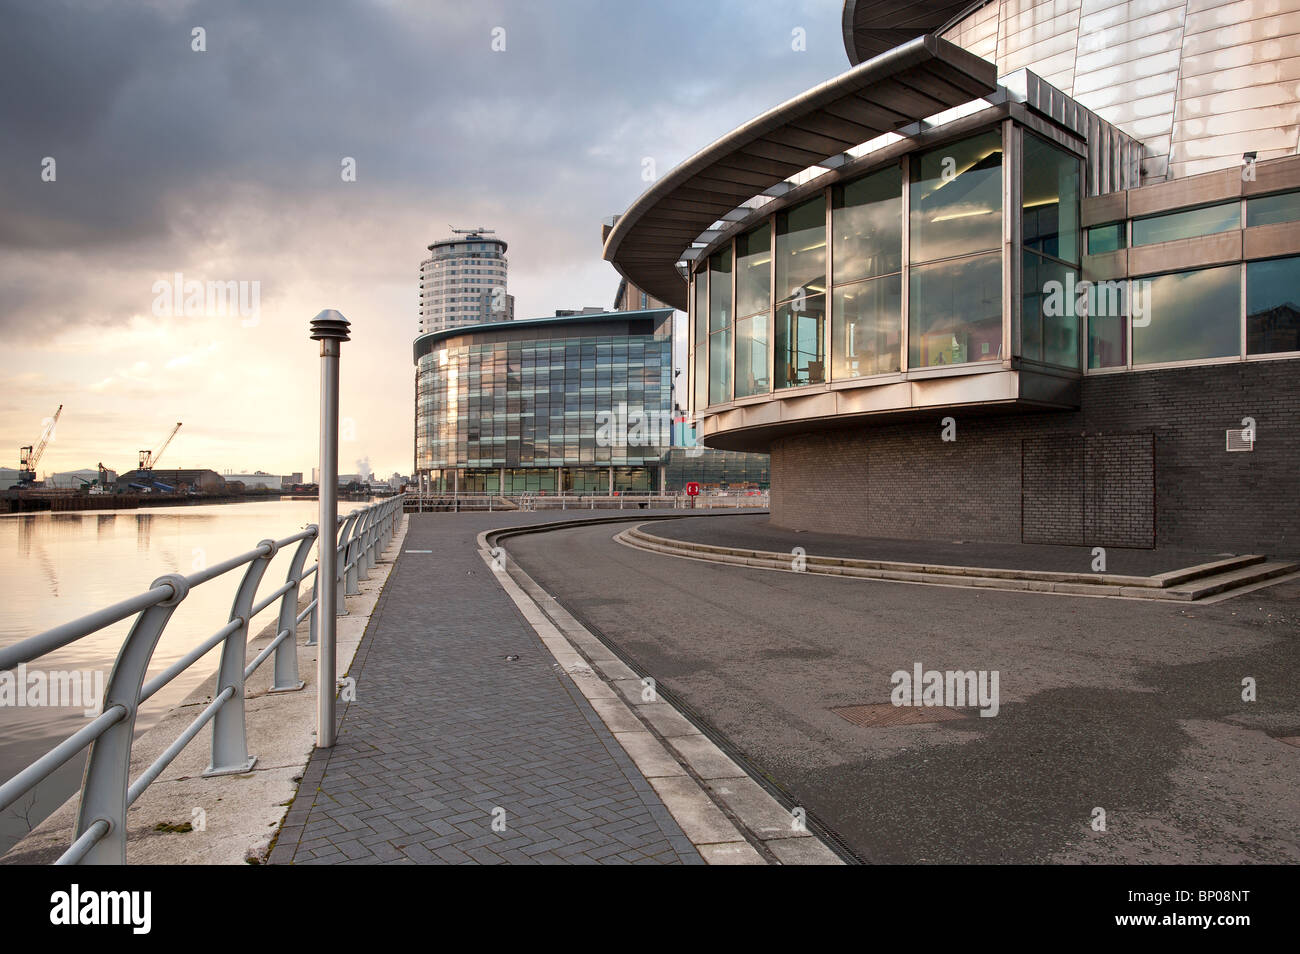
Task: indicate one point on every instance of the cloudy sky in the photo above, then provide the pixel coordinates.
(226, 165)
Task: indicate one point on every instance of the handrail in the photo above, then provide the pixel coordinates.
(100, 834)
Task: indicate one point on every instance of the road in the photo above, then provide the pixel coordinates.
(1128, 706)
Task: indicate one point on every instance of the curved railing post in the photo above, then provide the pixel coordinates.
(229, 731)
(342, 548)
(315, 603)
(108, 766)
(362, 568)
(352, 556)
(286, 654)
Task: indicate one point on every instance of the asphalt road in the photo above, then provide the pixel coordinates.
(1131, 707)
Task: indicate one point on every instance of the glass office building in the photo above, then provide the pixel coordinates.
(1021, 229)
(580, 404)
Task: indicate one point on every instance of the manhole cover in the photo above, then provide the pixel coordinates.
(884, 714)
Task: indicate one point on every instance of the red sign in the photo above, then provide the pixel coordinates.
(692, 489)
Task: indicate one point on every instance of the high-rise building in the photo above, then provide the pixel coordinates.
(463, 282)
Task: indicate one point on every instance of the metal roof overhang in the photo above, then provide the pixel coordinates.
(901, 86)
(871, 27)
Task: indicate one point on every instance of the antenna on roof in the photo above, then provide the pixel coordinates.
(472, 231)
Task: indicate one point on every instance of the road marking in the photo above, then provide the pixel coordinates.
(419, 551)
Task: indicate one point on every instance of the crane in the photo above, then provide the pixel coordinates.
(148, 458)
(29, 456)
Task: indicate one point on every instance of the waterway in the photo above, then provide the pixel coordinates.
(55, 567)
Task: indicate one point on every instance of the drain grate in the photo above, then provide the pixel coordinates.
(883, 715)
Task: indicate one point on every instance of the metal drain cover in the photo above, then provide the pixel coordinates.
(885, 714)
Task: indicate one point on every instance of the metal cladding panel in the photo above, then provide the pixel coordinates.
(918, 79)
(1227, 110)
(978, 32)
(1197, 82)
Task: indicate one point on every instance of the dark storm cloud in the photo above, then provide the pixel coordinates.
(153, 140)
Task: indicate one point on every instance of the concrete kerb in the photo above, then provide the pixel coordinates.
(1177, 586)
(727, 815)
(233, 819)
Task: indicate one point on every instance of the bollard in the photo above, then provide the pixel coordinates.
(330, 328)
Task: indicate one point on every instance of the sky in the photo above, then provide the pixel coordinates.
(172, 166)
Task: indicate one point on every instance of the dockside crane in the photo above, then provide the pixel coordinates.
(149, 459)
(30, 455)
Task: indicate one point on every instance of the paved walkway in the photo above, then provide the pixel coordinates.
(756, 532)
(447, 734)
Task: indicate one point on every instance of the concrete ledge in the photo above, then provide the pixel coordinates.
(240, 814)
(1186, 584)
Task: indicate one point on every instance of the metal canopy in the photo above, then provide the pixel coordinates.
(920, 78)
(873, 26)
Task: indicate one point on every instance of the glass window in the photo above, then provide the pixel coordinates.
(1273, 306)
(1107, 324)
(1049, 313)
(701, 340)
(867, 328)
(751, 356)
(1189, 224)
(1107, 238)
(799, 353)
(720, 366)
(956, 312)
(1187, 315)
(1050, 200)
(801, 249)
(867, 226)
(1270, 209)
(720, 290)
(956, 196)
(754, 271)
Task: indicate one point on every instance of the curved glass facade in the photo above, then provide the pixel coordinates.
(911, 279)
(554, 407)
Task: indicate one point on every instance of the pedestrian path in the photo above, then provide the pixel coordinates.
(466, 743)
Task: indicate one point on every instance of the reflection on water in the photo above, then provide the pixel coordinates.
(58, 566)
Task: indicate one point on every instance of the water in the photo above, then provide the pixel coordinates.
(58, 566)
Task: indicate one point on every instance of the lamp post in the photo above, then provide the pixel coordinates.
(330, 328)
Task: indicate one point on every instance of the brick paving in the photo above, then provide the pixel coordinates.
(444, 730)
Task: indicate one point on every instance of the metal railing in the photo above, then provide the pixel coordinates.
(456, 503)
(106, 789)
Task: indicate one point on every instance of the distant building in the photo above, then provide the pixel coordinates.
(182, 481)
(463, 282)
(259, 480)
(585, 310)
(72, 479)
(578, 403)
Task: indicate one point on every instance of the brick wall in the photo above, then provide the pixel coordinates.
(1154, 436)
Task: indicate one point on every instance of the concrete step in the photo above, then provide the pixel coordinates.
(1232, 580)
(1187, 584)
